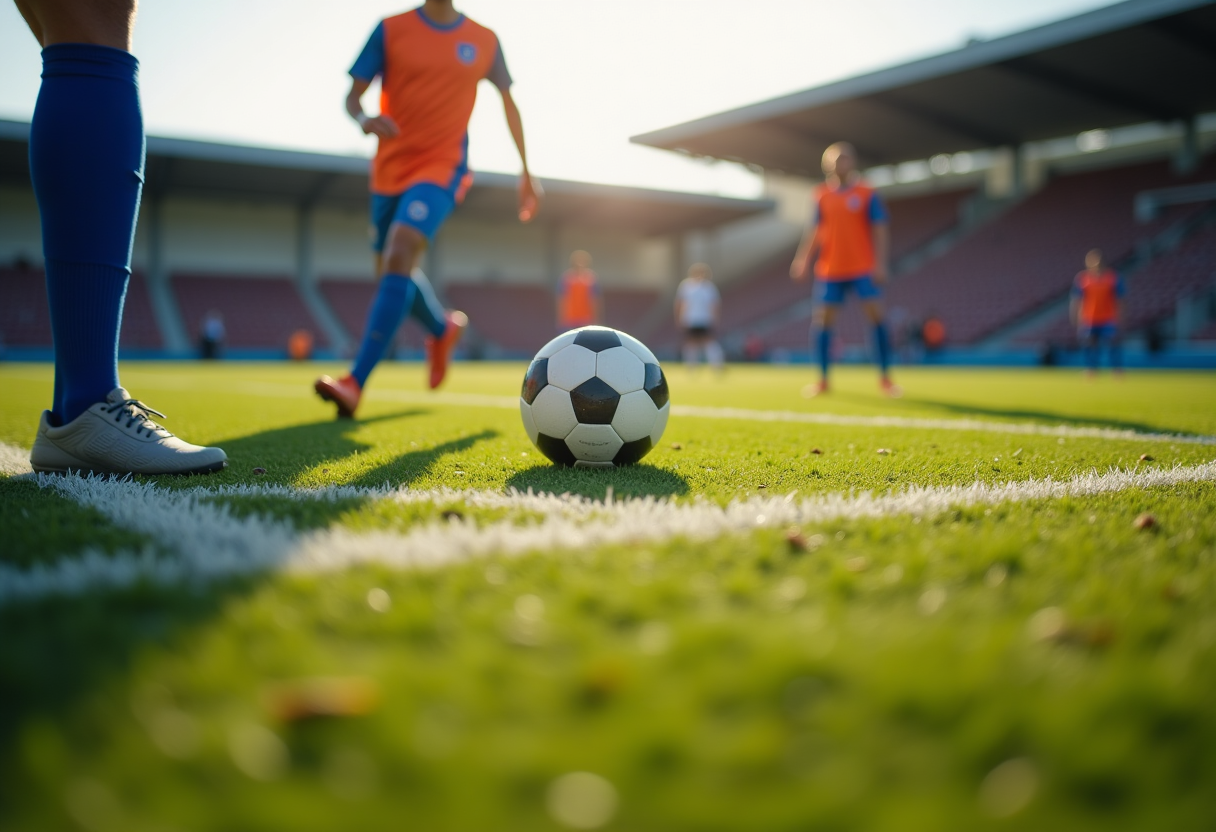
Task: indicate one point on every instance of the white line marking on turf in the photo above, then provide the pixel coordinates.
(202, 541)
(291, 391)
(750, 415)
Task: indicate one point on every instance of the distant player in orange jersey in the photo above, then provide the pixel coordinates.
(578, 294)
(1096, 294)
(848, 231)
(429, 62)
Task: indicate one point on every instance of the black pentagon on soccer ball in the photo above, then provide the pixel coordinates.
(631, 452)
(535, 380)
(557, 450)
(597, 340)
(594, 402)
(656, 385)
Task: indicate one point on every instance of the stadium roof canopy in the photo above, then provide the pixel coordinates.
(182, 168)
(1133, 62)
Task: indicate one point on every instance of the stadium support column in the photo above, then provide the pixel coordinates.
(555, 259)
(164, 306)
(306, 276)
(1186, 159)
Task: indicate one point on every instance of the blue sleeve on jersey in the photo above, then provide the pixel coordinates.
(878, 211)
(370, 62)
(498, 74)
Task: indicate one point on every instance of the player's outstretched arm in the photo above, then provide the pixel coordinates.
(381, 125)
(530, 191)
(801, 266)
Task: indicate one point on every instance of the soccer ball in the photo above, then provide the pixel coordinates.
(594, 397)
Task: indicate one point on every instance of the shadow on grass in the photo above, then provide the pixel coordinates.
(288, 452)
(629, 481)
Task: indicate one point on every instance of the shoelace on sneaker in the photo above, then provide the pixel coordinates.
(136, 411)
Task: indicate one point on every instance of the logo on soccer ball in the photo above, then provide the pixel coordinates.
(594, 396)
(417, 210)
(466, 53)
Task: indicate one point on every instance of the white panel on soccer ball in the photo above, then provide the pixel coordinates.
(623, 370)
(660, 424)
(563, 340)
(637, 348)
(635, 416)
(571, 366)
(594, 443)
(552, 412)
(525, 413)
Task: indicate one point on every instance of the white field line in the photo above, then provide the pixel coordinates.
(292, 391)
(199, 541)
(750, 415)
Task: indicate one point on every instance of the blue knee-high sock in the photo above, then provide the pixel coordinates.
(823, 348)
(394, 299)
(427, 309)
(882, 341)
(87, 167)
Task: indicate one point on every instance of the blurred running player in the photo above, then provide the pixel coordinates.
(696, 307)
(429, 61)
(87, 165)
(848, 231)
(1094, 309)
(578, 294)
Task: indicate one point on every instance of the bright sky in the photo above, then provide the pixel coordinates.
(588, 73)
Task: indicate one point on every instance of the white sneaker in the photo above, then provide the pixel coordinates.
(118, 436)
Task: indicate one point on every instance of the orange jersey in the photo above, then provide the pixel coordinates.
(844, 223)
(577, 297)
(428, 74)
(1099, 296)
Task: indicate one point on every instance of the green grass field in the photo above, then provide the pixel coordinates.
(766, 625)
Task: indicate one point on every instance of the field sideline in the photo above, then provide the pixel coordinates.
(848, 613)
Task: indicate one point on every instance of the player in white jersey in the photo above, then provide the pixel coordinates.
(696, 307)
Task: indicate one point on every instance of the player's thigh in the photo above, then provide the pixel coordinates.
(103, 22)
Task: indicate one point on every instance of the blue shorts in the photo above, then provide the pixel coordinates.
(834, 291)
(1098, 332)
(423, 207)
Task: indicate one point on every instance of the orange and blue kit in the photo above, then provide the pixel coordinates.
(844, 219)
(577, 298)
(1099, 296)
(429, 74)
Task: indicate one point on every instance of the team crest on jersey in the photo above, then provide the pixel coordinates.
(466, 53)
(417, 210)
(853, 202)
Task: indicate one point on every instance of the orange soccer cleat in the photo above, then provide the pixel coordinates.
(439, 350)
(344, 392)
(819, 388)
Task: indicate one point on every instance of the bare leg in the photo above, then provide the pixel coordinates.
(100, 22)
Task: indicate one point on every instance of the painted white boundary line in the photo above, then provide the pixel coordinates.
(202, 541)
(750, 415)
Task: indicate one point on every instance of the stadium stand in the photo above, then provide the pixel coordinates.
(516, 319)
(350, 301)
(917, 220)
(625, 309)
(25, 317)
(1025, 258)
(259, 312)
(1153, 291)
